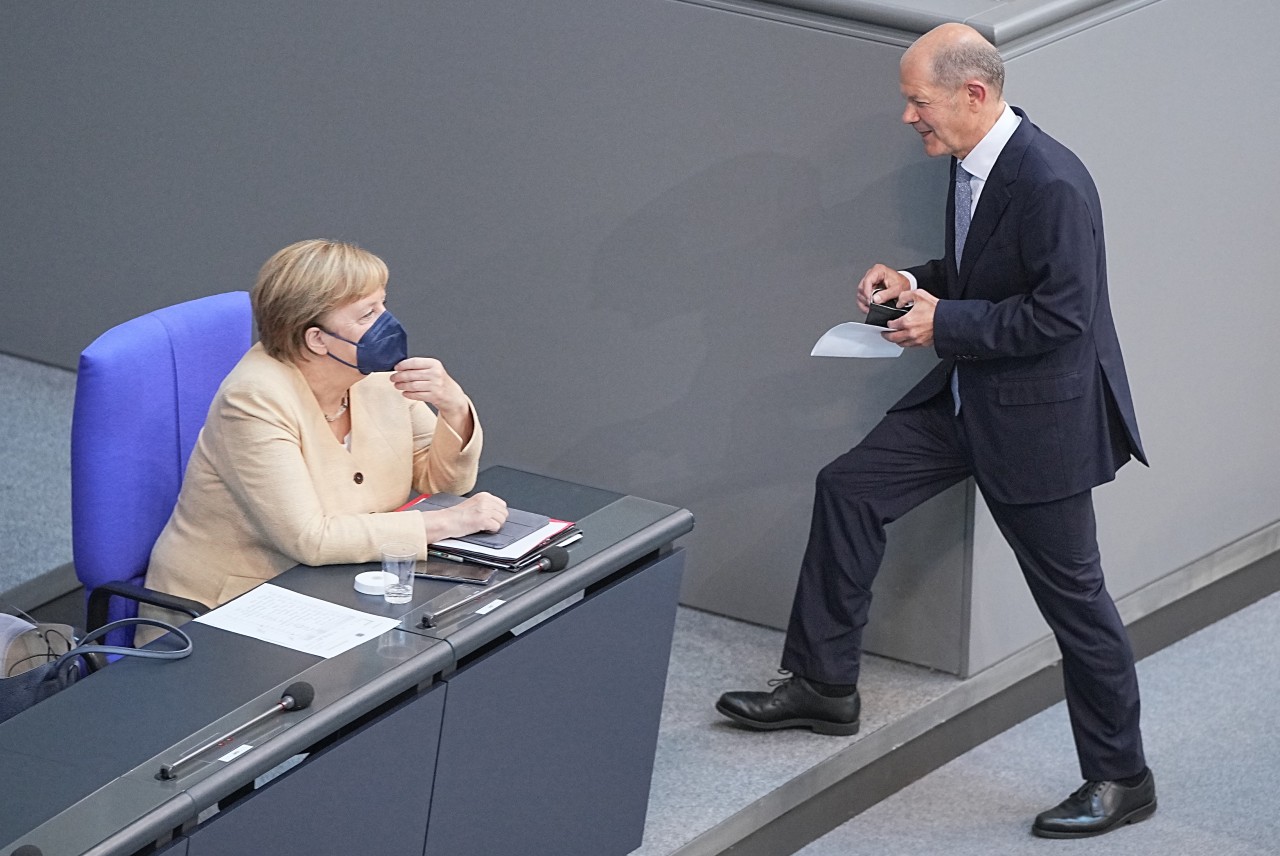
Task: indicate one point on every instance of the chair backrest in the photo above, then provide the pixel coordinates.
(142, 394)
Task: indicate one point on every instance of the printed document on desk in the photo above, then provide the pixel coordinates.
(296, 621)
(855, 339)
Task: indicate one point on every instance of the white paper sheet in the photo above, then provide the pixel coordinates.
(296, 621)
(855, 339)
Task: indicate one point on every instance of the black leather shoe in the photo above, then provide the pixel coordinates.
(1098, 807)
(794, 703)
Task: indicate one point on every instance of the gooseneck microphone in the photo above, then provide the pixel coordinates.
(552, 559)
(296, 696)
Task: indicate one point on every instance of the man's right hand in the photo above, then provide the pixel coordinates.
(884, 282)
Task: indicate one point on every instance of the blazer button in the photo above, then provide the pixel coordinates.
(359, 478)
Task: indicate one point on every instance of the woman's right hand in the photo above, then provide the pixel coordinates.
(483, 512)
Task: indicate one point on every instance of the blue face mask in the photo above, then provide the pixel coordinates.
(383, 345)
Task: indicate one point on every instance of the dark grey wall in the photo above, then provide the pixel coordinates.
(621, 224)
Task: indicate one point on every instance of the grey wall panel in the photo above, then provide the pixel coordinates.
(622, 225)
(1185, 167)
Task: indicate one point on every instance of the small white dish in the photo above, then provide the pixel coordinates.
(373, 582)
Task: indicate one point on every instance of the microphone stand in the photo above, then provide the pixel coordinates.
(555, 559)
(296, 697)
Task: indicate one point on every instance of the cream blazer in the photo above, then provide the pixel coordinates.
(269, 487)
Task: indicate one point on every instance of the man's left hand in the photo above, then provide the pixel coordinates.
(915, 329)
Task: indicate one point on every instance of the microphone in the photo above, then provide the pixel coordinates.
(553, 559)
(296, 696)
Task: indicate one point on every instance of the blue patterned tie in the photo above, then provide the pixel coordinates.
(964, 204)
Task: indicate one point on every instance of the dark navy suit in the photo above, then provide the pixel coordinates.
(1046, 415)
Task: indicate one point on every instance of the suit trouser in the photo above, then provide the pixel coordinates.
(909, 457)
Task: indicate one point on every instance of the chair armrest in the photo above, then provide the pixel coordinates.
(101, 596)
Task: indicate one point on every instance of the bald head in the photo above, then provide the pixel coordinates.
(955, 54)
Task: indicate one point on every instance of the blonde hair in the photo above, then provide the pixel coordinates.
(304, 281)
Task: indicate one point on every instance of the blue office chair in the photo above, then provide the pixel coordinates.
(142, 394)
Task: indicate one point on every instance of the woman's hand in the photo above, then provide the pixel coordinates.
(483, 512)
(425, 379)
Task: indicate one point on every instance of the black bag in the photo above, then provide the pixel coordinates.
(40, 660)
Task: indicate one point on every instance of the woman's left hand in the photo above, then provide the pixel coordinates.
(425, 379)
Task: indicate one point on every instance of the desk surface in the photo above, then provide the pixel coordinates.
(85, 760)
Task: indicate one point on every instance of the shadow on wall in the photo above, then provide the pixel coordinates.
(729, 277)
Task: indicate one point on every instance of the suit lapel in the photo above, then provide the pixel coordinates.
(996, 193)
(949, 253)
(995, 198)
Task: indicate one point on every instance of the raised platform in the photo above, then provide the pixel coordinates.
(721, 789)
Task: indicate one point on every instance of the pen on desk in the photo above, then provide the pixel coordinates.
(446, 556)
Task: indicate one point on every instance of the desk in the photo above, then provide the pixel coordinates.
(516, 731)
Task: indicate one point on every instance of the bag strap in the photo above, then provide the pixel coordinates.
(85, 646)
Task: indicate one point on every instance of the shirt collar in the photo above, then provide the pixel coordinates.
(982, 159)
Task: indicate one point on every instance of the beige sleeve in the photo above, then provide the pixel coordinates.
(441, 462)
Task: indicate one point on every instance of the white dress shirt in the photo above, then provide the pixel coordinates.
(982, 159)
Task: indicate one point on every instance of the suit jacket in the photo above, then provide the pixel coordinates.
(1027, 322)
(268, 486)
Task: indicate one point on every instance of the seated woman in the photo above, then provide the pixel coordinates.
(317, 434)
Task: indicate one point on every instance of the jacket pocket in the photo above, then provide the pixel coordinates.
(1041, 390)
